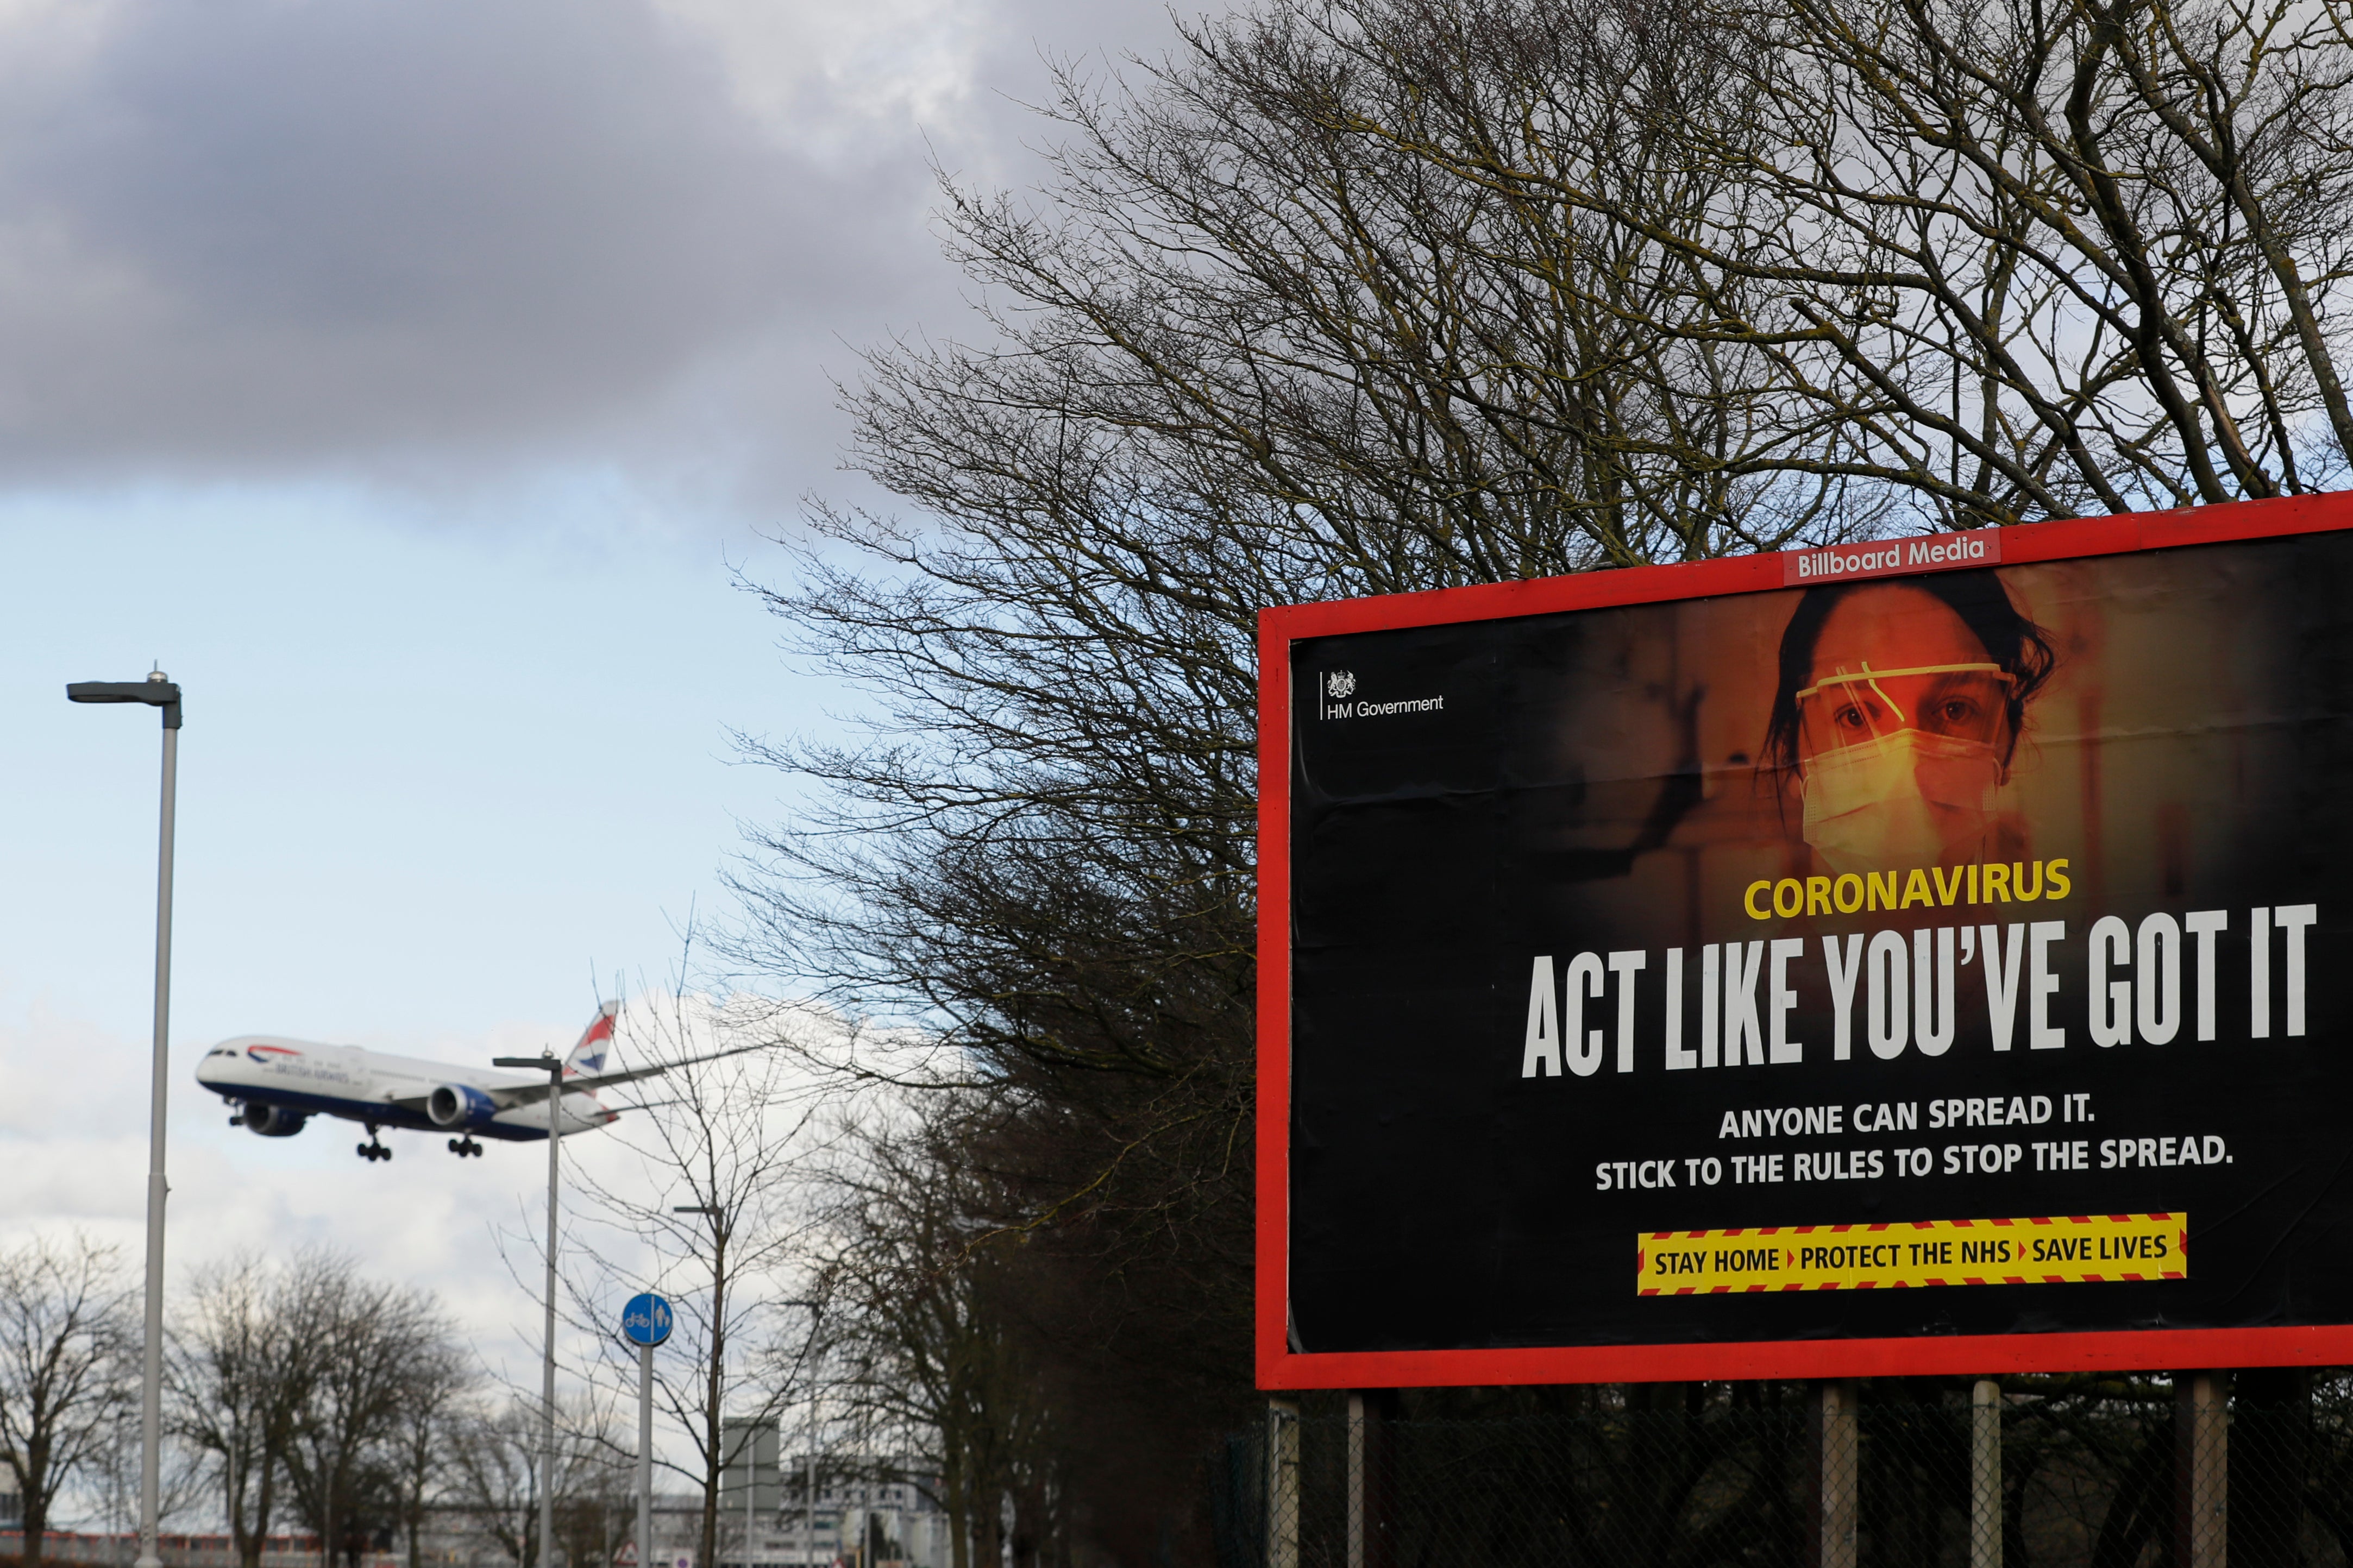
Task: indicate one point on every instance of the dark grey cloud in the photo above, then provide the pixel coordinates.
(260, 236)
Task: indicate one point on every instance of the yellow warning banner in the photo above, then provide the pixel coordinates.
(2063, 1250)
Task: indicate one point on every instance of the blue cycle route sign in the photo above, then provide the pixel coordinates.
(646, 1319)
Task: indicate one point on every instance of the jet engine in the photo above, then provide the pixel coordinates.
(459, 1105)
(274, 1120)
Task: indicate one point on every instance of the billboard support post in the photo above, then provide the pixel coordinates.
(2201, 1469)
(1985, 1474)
(1281, 1483)
(1355, 1480)
(1837, 1466)
(2270, 1422)
(1371, 1477)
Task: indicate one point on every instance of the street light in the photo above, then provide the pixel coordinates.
(751, 1465)
(808, 1493)
(156, 691)
(748, 1446)
(547, 1061)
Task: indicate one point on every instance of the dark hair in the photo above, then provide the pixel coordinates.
(2022, 649)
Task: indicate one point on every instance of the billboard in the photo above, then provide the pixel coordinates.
(1926, 956)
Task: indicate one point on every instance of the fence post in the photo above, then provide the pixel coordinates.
(1837, 1461)
(2201, 1459)
(1281, 1483)
(1985, 1474)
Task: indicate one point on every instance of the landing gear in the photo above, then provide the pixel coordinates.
(374, 1147)
(462, 1147)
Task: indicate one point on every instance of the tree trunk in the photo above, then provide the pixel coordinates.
(251, 1541)
(36, 1507)
(958, 1504)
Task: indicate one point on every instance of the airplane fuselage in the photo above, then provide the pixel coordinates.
(279, 1082)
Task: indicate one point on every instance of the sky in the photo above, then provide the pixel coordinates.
(418, 382)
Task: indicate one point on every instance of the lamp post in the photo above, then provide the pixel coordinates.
(808, 1493)
(552, 1065)
(156, 691)
(717, 1217)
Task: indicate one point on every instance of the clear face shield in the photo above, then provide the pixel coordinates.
(1902, 766)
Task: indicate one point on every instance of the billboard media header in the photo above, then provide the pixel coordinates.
(1913, 957)
(1891, 558)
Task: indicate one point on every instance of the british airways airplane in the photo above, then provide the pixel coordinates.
(277, 1085)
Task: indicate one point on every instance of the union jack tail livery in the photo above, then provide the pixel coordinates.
(596, 1044)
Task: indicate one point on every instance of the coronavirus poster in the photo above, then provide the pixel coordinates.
(1922, 955)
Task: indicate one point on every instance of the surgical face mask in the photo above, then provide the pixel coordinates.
(1910, 797)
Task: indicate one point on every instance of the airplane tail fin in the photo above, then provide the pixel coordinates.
(596, 1043)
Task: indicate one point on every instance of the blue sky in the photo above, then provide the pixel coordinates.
(432, 778)
(406, 376)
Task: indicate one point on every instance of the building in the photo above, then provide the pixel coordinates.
(914, 1528)
(179, 1551)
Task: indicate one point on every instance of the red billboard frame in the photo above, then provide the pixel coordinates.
(1280, 1367)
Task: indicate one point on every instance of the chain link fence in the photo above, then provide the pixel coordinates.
(2100, 1473)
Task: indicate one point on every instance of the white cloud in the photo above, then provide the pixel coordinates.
(837, 80)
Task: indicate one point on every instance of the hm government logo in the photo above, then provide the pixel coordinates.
(1339, 688)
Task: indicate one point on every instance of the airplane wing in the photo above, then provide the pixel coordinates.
(531, 1094)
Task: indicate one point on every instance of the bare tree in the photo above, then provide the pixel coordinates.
(1355, 296)
(1370, 296)
(2032, 259)
(185, 1474)
(493, 1478)
(239, 1376)
(436, 1382)
(344, 1463)
(67, 1355)
(710, 1211)
(595, 1486)
(314, 1392)
(926, 1353)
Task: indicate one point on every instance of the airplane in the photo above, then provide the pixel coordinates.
(275, 1085)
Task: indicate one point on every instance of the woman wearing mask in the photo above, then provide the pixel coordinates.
(1896, 717)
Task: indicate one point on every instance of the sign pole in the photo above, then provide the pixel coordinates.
(645, 1323)
(645, 1456)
